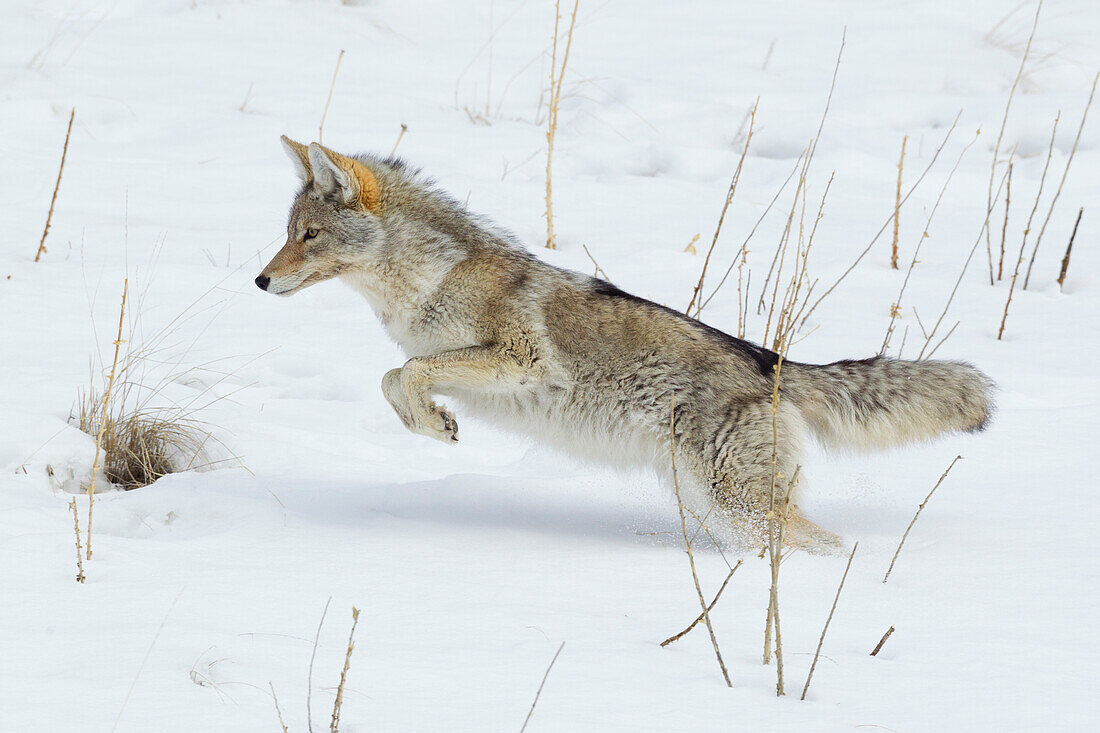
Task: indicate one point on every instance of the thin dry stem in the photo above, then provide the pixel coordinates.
(278, 712)
(539, 691)
(743, 251)
(1027, 229)
(966, 265)
(76, 529)
(1000, 136)
(309, 679)
(1058, 192)
(334, 725)
(103, 419)
(56, 186)
(687, 544)
(1004, 226)
(556, 78)
(596, 264)
(1069, 249)
(914, 520)
(897, 207)
(896, 309)
(404, 129)
(695, 294)
(874, 239)
(881, 642)
(328, 101)
(693, 624)
(821, 640)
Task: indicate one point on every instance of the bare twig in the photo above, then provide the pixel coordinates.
(743, 251)
(328, 101)
(916, 250)
(878, 647)
(1058, 192)
(695, 294)
(897, 207)
(76, 529)
(404, 129)
(914, 520)
(309, 680)
(687, 543)
(966, 265)
(1000, 136)
(1069, 248)
(809, 159)
(103, 421)
(278, 712)
(597, 264)
(539, 691)
(334, 725)
(556, 77)
(821, 640)
(56, 186)
(693, 624)
(1027, 229)
(1004, 226)
(885, 224)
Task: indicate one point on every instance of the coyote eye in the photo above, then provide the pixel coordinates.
(310, 233)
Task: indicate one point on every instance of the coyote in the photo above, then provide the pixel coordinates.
(580, 364)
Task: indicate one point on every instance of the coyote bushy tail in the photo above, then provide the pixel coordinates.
(881, 402)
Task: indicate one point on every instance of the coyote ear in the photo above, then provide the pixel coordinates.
(346, 178)
(299, 156)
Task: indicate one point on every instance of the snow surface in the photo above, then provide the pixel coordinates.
(472, 564)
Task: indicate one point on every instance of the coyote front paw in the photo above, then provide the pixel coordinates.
(443, 425)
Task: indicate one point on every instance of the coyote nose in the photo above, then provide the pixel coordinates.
(262, 282)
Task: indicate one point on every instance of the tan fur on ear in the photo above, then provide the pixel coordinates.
(370, 192)
(299, 155)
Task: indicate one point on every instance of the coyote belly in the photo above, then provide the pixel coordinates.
(578, 363)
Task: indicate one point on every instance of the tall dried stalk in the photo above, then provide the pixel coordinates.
(742, 252)
(914, 520)
(538, 692)
(896, 309)
(312, 657)
(1004, 226)
(278, 711)
(806, 166)
(1058, 192)
(328, 101)
(556, 77)
(829, 620)
(334, 725)
(1069, 248)
(56, 186)
(687, 543)
(695, 294)
(874, 239)
(966, 265)
(103, 418)
(897, 207)
(1027, 229)
(1000, 136)
(76, 529)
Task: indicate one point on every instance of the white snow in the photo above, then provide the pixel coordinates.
(472, 564)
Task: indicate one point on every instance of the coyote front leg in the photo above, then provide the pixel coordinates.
(409, 389)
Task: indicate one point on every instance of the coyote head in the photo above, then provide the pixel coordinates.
(333, 226)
